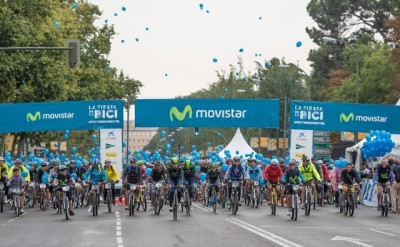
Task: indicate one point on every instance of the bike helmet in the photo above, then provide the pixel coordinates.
(236, 158)
(139, 163)
(213, 166)
(63, 167)
(229, 160)
(44, 163)
(305, 157)
(18, 161)
(274, 162)
(182, 160)
(54, 162)
(34, 163)
(95, 161)
(72, 161)
(174, 160)
(107, 161)
(206, 162)
(292, 162)
(132, 160)
(167, 162)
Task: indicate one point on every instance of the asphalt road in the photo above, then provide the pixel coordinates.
(250, 227)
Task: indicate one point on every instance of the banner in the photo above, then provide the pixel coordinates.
(369, 193)
(207, 113)
(301, 143)
(72, 115)
(344, 116)
(111, 148)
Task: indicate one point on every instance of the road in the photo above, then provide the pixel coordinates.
(250, 227)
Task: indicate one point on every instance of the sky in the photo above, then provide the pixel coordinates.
(174, 57)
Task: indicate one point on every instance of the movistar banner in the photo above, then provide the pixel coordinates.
(344, 116)
(207, 113)
(47, 116)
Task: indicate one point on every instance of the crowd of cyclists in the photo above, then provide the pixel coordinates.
(44, 183)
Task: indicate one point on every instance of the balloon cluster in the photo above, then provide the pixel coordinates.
(340, 163)
(377, 144)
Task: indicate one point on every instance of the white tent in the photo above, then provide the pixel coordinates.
(238, 143)
(357, 148)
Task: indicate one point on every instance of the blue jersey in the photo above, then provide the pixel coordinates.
(235, 172)
(254, 173)
(96, 175)
(292, 176)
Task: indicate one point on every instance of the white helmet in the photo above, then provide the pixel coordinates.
(274, 161)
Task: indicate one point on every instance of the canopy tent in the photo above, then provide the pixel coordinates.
(357, 148)
(238, 143)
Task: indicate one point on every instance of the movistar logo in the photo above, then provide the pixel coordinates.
(180, 115)
(33, 118)
(344, 118)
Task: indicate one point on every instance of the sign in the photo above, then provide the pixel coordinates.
(301, 143)
(264, 142)
(347, 136)
(272, 144)
(344, 116)
(254, 142)
(54, 146)
(111, 148)
(207, 113)
(48, 116)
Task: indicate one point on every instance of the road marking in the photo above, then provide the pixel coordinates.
(263, 233)
(385, 233)
(352, 240)
(202, 208)
(118, 229)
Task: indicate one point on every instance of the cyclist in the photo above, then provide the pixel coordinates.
(175, 178)
(21, 167)
(213, 177)
(40, 179)
(3, 174)
(63, 179)
(112, 175)
(292, 176)
(189, 173)
(282, 165)
(33, 171)
(310, 174)
(273, 174)
(396, 186)
(52, 175)
(72, 167)
(158, 174)
(234, 172)
(133, 175)
(203, 169)
(95, 174)
(254, 173)
(17, 181)
(348, 177)
(383, 177)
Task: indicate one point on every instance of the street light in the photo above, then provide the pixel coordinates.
(285, 66)
(328, 40)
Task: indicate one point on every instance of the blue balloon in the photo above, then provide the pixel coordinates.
(163, 134)
(78, 163)
(368, 138)
(203, 176)
(73, 150)
(74, 6)
(29, 168)
(148, 171)
(56, 24)
(224, 167)
(241, 50)
(299, 43)
(123, 8)
(67, 132)
(172, 140)
(45, 178)
(24, 174)
(74, 176)
(94, 137)
(237, 151)
(201, 6)
(197, 169)
(215, 60)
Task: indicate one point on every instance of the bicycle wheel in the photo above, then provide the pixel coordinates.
(187, 203)
(144, 202)
(1, 202)
(109, 201)
(329, 195)
(315, 198)
(17, 207)
(275, 203)
(175, 207)
(94, 204)
(131, 204)
(341, 209)
(351, 206)
(66, 208)
(308, 206)
(257, 198)
(295, 207)
(214, 201)
(85, 199)
(156, 201)
(234, 202)
(253, 199)
(397, 203)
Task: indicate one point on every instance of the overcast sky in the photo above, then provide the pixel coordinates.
(182, 39)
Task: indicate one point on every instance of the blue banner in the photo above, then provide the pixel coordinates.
(207, 113)
(344, 117)
(73, 115)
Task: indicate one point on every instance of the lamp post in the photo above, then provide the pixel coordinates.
(127, 104)
(328, 40)
(285, 66)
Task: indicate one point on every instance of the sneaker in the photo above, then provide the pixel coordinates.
(90, 209)
(71, 213)
(101, 199)
(22, 211)
(170, 209)
(289, 212)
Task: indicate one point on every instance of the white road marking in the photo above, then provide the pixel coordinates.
(118, 229)
(385, 233)
(202, 208)
(352, 240)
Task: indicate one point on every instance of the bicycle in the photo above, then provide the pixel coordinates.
(320, 194)
(77, 196)
(195, 191)
(349, 203)
(384, 201)
(213, 199)
(329, 195)
(95, 198)
(42, 198)
(158, 202)
(295, 201)
(63, 205)
(235, 196)
(273, 199)
(17, 201)
(2, 193)
(31, 195)
(141, 199)
(255, 194)
(109, 198)
(131, 199)
(85, 196)
(307, 201)
(175, 202)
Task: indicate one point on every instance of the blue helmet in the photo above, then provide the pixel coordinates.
(95, 161)
(63, 167)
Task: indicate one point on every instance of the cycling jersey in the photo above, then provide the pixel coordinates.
(203, 169)
(3, 171)
(309, 172)
(348, 177)
(384, 175)
(158, 176)
(63, 179)
(325, 171)
(235, 172)
(96, 174)
(81, 173)
(72, 170)
(188, 171)
(292, 176)
(273, 174)
(175, 176)
(212, 177)
(112, 173)
(133, 174)
(16, 182)
(254, 173)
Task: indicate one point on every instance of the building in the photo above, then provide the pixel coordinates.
(138, 137)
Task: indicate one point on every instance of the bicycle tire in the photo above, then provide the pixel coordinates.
(315, 199)
(1, 203)
(253, 199)
(257, 200)
(66, 208)
(214, 201)
(275, 203)
(397, 204)
(131, 204)
(175, 205)
(17, 206)
(160, 206)
(144, 202)
(94, 204)
(187, 200)
(42, 201)
(295, 208)
(156, 201)
(109, 202)
(329, 196)
(351, 206)
(76, 199)
(234, 202)
(85, 199)
(308, 206)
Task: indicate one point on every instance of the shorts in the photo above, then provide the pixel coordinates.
(69, 193)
